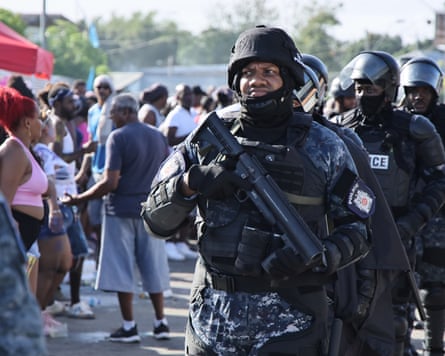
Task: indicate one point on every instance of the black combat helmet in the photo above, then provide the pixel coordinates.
(265, 44)
(422, 71)
(378, 67)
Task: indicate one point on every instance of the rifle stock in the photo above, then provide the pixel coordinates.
(265, 195)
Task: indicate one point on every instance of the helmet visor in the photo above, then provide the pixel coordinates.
(307, 95)
(421, 74)
(366, 66)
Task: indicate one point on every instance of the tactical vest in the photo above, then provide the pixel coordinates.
(392, 157)
(221, 227)
(438, 119)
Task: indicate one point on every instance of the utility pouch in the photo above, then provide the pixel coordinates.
(251, 251)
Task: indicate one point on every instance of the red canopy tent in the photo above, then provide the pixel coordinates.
(17, 54)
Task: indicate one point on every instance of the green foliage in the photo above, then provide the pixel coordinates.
(72, 50)
(210, 47)
(139, 41)
(13, 20)
(245, 14)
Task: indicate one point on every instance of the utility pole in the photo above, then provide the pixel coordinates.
(43, 25)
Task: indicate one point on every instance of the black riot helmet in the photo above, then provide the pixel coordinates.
(307, 95)
(378, 67)
(265, 44)
(320, 70)
(422, 71)
(336, 91)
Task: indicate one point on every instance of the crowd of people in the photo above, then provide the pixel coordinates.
(358, 171)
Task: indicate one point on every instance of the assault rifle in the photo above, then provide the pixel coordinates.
(265, 194)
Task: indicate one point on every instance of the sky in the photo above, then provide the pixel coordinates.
(411, 19)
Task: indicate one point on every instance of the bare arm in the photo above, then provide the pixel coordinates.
(149, 118)
(171, 136)
(14, 164)
(108, 183)
(57, 145)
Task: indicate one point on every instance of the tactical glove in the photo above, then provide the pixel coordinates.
(366, 289)
(284, 262)
(214, 181)
(408, 226)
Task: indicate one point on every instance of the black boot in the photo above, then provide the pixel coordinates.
(434, 331)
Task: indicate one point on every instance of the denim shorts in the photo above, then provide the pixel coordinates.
(68, 216)
(71, 226)
(78, 240)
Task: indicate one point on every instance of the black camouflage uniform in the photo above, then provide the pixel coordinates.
(361, 293)
(251, 295)
(417, 73)
(21, 329)
(403, 149)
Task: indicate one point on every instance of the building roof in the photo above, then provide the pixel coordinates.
(33, 20)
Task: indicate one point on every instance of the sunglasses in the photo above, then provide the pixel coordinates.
(103, 87)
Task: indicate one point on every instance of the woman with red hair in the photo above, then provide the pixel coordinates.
(22, 180)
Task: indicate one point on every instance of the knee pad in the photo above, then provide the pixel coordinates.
(434, 298)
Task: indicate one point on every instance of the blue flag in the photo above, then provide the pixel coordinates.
(92, 35)
(90, 80)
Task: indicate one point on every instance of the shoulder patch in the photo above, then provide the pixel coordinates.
(361, 199)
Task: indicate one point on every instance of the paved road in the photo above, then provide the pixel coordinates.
(87, 337)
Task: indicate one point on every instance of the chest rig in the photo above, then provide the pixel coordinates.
(222, 223)
(392, 156)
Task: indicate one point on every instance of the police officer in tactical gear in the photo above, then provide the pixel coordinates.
(361, 292)
(421, 79)
(403, 148)
(342, 99)
(321, 71)
(252, 294)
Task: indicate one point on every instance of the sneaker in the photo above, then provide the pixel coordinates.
(185, 250)
(53, 328)
(168, 293)
(172, 252)
(80, 310)
(161, 332)
(56, 309)
(126, 336)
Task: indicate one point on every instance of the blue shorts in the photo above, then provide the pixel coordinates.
(68, 217)
(71, 227)
(78, 240)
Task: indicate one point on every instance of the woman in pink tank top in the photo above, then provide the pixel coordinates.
(22, 181)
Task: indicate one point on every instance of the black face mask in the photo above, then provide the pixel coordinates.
(267, 111)
(371, 105)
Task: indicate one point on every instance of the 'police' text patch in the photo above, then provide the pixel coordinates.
(379, 161)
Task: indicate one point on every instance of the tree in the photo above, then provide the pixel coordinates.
(73, 53)
(13, 20)
(245, 14)
(139, 41)
(212, 46)
(312, 29)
